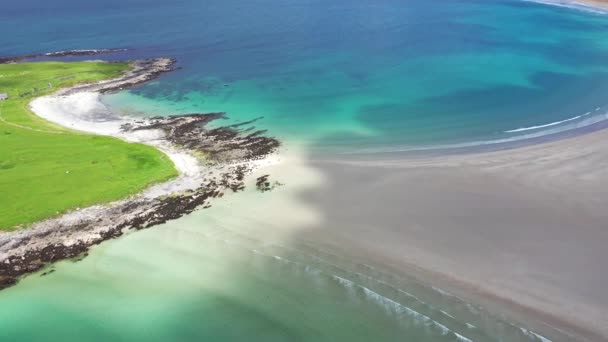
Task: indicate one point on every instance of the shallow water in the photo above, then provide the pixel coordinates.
(334, 78)
(397, 75)
(348, 74)
(205, 277)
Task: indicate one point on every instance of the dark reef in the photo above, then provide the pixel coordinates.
(67, 53)
(228, 150)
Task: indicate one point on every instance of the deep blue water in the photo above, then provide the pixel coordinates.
(351, 75)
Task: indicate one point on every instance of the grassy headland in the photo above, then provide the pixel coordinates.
(46, 169)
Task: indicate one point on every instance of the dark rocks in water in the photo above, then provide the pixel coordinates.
(222, 144)
(90, 52)
(36, 259)
(68, 53)
(138, 214)
(145, 70)
(6, 282)
(15, 59)
(263, 184)
(80, 257)
(47, 273)
(235, 144)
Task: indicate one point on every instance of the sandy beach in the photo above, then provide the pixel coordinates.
(521, 231)
(84, 111)
(597, 3)
(601, 5)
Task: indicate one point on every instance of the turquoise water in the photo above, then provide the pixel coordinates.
(205, 278)
(339, 77)
(350, 74)
(401, 75)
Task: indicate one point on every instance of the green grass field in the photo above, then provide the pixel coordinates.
(46, 170)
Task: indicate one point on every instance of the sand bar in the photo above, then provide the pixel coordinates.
(600, 6)
(524, 228)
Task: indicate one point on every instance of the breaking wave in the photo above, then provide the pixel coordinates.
(571, 5)
(399, 308)
(547, 125)
(532, 132)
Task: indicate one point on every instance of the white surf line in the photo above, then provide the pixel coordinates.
(307, 268)
(384, 283)
(371, 294)
(534, 335)
(315, 270)
(398, 307)
(328, 263)
(447, 314)
(571, 5)
(477, 143)
(361, 275)
(442, 292)
(547, 125)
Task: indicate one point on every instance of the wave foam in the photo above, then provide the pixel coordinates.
(548, 125)
(571, 5)
(534, 335)
(551, 128)
(398, 307)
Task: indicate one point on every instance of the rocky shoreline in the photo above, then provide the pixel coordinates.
(58, 54)
(141, 71)
(230, 153)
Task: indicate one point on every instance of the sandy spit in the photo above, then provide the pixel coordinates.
(522, 230)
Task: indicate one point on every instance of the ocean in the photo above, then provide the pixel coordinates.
(331, 80)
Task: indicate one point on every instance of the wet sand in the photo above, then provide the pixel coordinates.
(601, 5)
(523, 230)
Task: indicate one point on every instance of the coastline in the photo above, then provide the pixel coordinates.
(420, 248)
(80, 108)
(514, 233)
(593, 4)
(600, 6)
(230, 154)
(517, 230)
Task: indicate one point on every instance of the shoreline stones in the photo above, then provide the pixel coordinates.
(59, 54)
(229, 150)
